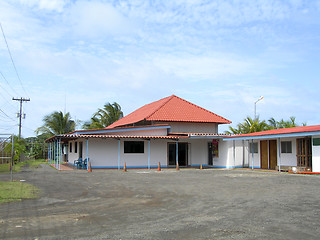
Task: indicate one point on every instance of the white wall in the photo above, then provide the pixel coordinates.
(185, 127)
(224, 152)
(256, 156)
(72, 156)
(149, 132)
(288, 159)
(103, 153)
(315, 156)
(198, 152)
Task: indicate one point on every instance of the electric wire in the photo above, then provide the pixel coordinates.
(6, 100)
(8, 83)
(6, 114)
(14, 66)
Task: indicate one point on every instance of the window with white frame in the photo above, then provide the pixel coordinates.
(254, 147)
(70, 147)
(286, 147)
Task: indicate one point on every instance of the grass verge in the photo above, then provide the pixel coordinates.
(4, 168)
(17, 191)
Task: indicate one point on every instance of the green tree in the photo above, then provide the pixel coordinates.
(56, 123)
(36, 148)
(19, 148)
(249, 125)
(256, 125)
(105, 116)
(284, 123)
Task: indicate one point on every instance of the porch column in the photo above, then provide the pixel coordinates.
(52, 149)
(177, 153)
(118, 154)
(48, 152)
(279, 143)
(87, 154)
(149, 154)
(59, 154)
(234, 154)
(54, 153)
(252, 152)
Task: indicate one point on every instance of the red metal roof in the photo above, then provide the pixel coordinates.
(313, 128)
(170, 109)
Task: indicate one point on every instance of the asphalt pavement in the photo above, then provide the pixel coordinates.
(147, 204)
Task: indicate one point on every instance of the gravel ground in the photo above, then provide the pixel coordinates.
(185, 204)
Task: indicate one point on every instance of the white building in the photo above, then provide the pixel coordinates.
(174, 131)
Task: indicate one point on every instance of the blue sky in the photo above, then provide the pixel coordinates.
(220, 55)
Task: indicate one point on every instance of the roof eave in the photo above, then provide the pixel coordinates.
(272, 136)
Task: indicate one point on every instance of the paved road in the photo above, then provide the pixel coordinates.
(141, 204)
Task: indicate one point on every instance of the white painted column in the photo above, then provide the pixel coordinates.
(252, 152)
(59, 154)
(234, 154)
(87, 154)
(149, 154)
(279, 144)
(119, 154)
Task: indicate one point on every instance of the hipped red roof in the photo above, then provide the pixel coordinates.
(170, 109)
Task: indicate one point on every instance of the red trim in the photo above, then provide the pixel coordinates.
(304, 172)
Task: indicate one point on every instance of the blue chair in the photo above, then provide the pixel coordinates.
(79, 163)
(85, 163)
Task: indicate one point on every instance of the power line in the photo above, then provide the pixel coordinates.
(14, 66)
(8, 83)
(6, 114)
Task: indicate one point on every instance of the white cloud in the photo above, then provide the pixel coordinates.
(50, 5)
(96, 19)
(200, 67)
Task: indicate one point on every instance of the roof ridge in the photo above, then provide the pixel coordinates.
(165, 102)
(203, 109)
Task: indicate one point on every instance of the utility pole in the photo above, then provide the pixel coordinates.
(21, 100)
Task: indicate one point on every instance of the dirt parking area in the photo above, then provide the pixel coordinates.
(185, 204)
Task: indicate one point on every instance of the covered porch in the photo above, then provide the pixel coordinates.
(109, 151)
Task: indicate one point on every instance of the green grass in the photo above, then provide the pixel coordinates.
(4, 168)
(17, 191)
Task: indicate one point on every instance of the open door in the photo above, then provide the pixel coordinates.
(182, 154)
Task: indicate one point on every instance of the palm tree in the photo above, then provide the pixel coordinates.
(283, 124)
(104, 116)
(56, 123)
(249, 125)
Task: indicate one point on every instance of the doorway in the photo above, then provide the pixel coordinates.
(304, 153)
(182, 154)
(268, 154)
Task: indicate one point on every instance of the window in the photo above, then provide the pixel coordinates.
(75, 147)
(70, 147)
(255, 147)
(134, 147)
(286, 147)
